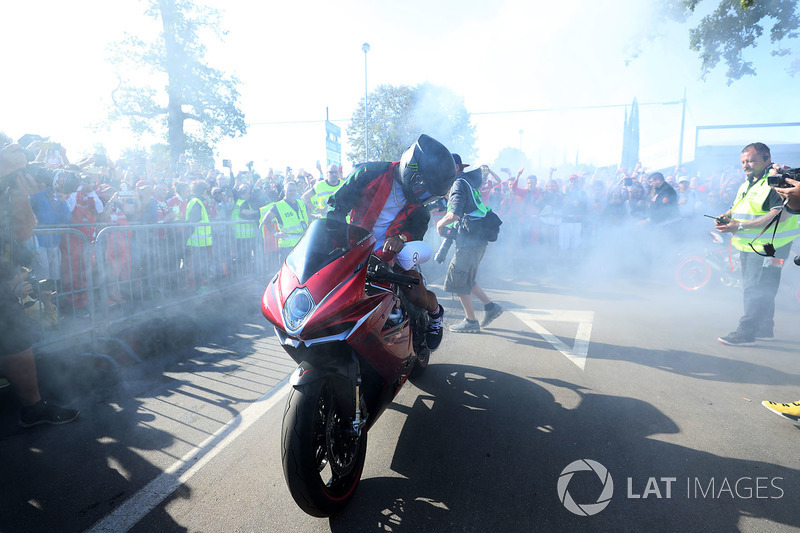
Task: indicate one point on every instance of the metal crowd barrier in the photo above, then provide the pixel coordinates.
(111, 274)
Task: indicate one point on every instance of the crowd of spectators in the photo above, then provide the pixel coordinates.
(95, 192)
(563, 213)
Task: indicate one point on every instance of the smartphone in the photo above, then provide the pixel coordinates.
(627, 182)
(226, 163)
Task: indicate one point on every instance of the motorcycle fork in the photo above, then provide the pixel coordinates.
(351, 387)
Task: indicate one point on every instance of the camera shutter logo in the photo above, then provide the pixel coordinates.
(585, 509)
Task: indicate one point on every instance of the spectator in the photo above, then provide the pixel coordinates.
(687, 198)
(51, 209)
(663, 205)
(316, 198)
(17, 362)
(551, 208)
(637, 203)
(198, 245)
(576, 204)
(177, 203)
(292, 219)
(244, 233)
(118, 247)
(84, 205)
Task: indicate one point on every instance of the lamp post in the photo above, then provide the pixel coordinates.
(365, 49)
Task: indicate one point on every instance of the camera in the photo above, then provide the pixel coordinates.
(627, 182)
(779, 180)
(449, 238)
(226, 163)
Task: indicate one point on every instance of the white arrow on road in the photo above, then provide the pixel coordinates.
(576, 354)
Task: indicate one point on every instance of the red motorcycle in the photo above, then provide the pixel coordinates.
(339, 313)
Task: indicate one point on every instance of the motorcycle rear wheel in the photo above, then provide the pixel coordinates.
(693, 273)
(322, 462)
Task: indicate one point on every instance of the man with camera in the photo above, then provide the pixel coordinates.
(755, 207)
(465, 203)
(17, 363)
(788, 188)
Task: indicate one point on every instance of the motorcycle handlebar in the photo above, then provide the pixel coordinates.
(383, 273)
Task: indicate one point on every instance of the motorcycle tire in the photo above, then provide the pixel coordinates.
(322, 464)
(693, 273)
(421, 363)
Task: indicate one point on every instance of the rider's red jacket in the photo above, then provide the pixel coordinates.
(364, 194)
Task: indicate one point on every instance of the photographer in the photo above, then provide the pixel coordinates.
(755, 207)
(465, 202)
(17, 363)
(791, 193)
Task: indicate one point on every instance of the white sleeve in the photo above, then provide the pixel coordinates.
(98, 203)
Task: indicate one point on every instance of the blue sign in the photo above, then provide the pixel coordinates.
(333, 144)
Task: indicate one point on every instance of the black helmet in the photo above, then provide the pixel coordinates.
(427, 169)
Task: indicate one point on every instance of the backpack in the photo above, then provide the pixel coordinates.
(485, 228)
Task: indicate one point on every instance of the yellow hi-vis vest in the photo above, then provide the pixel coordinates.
(242, 231)
(749, 205)
(201, 236)
(292, 222)
(322, 191)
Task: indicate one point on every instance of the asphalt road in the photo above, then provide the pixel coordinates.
(628, 376)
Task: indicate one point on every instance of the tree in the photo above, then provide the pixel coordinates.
(198, 104)
(630, 137)
(399, 114)
(736, 25)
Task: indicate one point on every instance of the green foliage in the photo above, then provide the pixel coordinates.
(399, 114)
(736, 25)
(166, 86)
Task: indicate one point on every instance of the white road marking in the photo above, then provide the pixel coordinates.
(140, 504)
(577, 354)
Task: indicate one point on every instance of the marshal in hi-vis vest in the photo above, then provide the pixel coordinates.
(201, 236)
(242, 230)
(749, 205)
(292, 222)
(322, 192)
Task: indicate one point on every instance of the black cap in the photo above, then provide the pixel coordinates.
(457, 159)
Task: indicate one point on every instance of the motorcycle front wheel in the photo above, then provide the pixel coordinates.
(322, 457)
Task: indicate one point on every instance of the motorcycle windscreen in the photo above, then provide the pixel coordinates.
(324, 241)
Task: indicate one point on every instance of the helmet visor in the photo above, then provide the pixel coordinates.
(419, 188)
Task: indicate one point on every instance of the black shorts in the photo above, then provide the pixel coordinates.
(463, 269)
(18, 332)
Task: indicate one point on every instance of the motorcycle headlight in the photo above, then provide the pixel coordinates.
(297, 308)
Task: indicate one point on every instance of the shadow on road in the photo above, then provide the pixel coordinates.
(482, 450)
(66, 478)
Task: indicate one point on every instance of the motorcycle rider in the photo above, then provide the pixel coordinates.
(388, 199)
